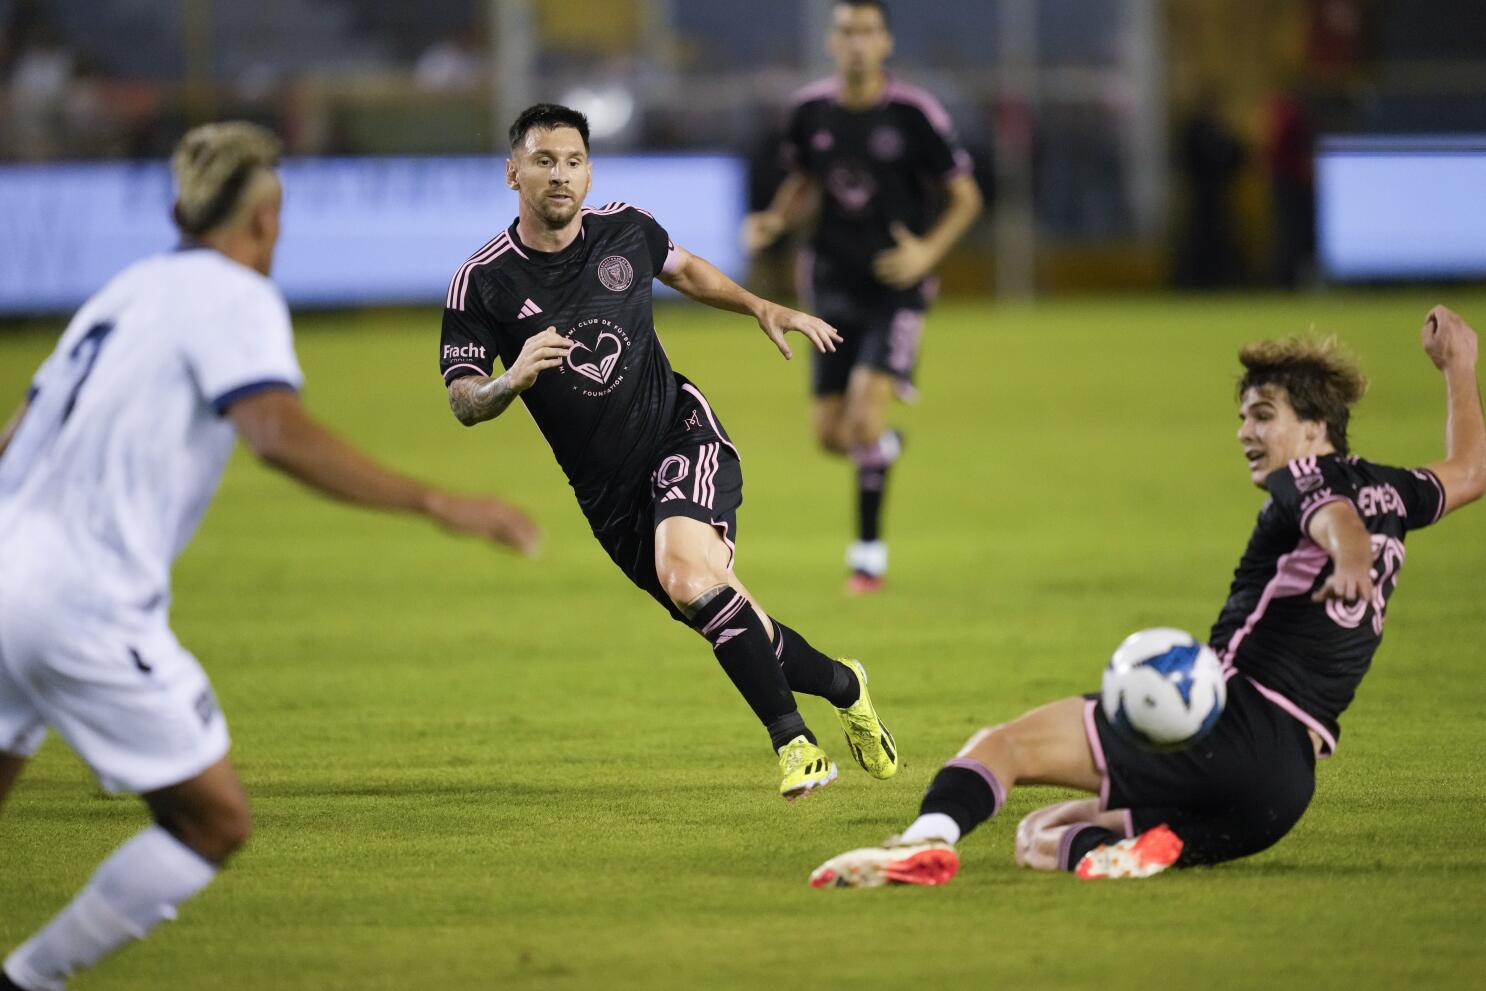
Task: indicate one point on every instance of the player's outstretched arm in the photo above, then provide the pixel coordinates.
(477, 398)
(794, 202)
(694, 276)
(1339, 530)
(278, 430)
(913, 258)
(1451, 344)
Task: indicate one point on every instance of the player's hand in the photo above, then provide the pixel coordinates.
(487, 518)
(777, 321)
(1448, 340)
(904, 265)
(761, 230)
(540, 352)
(1347, 585)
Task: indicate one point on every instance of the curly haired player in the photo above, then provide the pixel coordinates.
(1303, 618)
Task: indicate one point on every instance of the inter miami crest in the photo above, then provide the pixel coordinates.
(616, 273)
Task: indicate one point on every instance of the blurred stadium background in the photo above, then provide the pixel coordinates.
(1122, 143)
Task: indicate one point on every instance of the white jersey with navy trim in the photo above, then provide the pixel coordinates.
(123, 444)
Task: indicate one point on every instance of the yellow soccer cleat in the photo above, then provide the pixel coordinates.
(804, 768)
(931, 862)
(871, 743)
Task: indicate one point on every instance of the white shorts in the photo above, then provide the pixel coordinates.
(112, 681)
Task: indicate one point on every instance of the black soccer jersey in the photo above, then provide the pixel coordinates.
(875, 167)
(607, 407)
(1309, 657)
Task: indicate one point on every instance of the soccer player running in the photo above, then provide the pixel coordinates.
(105, 473)
(563, 298)
(876, 155)
(1304, 615)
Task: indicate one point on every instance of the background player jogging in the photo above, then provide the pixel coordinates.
(1304, 615)
(105, 473)
(562, 297)
(872, 157)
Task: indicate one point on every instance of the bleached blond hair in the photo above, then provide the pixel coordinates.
(1320, 377)
(213, 167)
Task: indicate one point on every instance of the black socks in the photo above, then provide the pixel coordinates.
(966, 791)
(741, 646)
(808, 670)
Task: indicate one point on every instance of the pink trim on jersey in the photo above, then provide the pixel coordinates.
(1129, 818)
(1096, 748)
(924, 101)
(459, 285)
(1328, 742)
(1294, 574)
(706, 408)
(998, 791)
(673, 260)
(964, 165)
(819, 89)
(1434, 480)
(463, 364)
(609, 209)
(1305, 518)
(1301, 467)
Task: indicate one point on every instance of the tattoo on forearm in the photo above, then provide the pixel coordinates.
(474, 401)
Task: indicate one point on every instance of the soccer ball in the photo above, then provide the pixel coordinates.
(1164, 688)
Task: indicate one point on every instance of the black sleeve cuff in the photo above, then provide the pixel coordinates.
(226, 399)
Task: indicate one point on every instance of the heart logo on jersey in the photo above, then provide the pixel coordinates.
(601, 358)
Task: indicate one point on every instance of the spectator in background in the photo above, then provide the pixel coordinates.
(454, 63)
(40, 69)
(1210, 157)
(1289, 147)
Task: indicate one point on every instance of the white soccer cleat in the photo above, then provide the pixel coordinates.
(1140, 856)
(930, 862)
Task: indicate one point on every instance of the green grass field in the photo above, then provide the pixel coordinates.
(472, 771)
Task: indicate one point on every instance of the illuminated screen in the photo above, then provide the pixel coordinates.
(356, 231)
(1401, 208)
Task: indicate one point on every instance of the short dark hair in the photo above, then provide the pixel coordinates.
(877, 5)
(1319, 376)
(548, 116)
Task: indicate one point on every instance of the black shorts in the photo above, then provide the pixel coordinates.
(1233, 793)
(696, 475)
(880, 330)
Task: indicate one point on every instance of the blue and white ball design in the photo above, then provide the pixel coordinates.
(1164, 688)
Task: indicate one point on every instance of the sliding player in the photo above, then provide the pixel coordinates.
(562, 298)
(877, 155)
(1304, 616)
(104, 474)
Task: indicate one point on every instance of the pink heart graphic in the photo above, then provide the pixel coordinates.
(604, 360)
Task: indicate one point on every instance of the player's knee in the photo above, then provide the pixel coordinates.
(686, 578)
(216, 829)
(832, 439)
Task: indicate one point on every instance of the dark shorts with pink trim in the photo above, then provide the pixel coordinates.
(1232, 794)
(880, 331)
(696, 475)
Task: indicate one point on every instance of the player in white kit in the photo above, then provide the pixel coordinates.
(104, 474)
